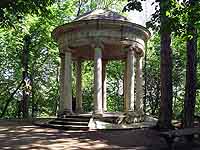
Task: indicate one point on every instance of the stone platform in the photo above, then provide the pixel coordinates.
(88, 121)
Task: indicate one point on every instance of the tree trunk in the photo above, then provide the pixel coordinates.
(165, 115)
(25, 77)
(9, 100)
(191, 77)
(32, 96)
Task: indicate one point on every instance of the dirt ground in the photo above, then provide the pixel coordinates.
(20, 135)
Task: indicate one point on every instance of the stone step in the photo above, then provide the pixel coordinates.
(73, 119)
(77, 116)
(61, 122)
(65, 127)
(69, 123)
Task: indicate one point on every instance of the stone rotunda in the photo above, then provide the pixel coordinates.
(101, 36)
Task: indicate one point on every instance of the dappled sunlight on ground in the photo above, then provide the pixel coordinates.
(17, 136)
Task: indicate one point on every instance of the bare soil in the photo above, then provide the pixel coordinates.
(24, 135)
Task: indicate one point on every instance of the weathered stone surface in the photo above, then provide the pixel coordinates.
(139, 86)
(114, 30)
(130, 95)
(67, 88)
(130, 118)
(101, 14)
(98, 107)
(61, 79)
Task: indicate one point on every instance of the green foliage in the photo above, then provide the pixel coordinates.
(133, 5)
(37, 19)
(38, 23)
(115, 71)
(152, 75)
(12, 11)
(87, 85)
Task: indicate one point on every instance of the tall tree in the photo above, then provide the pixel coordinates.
(165, 116)
(25, 77)
(191, 67)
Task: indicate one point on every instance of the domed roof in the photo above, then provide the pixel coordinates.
(101, 14)
(100, 26)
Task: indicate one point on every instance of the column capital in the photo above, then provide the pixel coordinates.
(65, 49)
(139, 56)
(69, 50)
(97, 43)
(62, 55)
(132, 48)
(137, 51)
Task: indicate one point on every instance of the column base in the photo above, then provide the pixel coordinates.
(65, 113)
(97, 114)
(79, 112)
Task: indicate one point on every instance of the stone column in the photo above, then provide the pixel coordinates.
(130, 79)
(78, 87)
(139, 86)
(98, 80)
(104, 94)
(61, 80)
(67, 87)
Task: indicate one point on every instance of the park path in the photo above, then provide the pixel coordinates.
(15, 135)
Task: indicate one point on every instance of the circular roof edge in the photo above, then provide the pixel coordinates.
(80, 23)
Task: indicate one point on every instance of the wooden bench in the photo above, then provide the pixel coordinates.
(188, 133)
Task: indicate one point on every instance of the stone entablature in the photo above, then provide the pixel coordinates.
(79, 36)
(85, 29)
